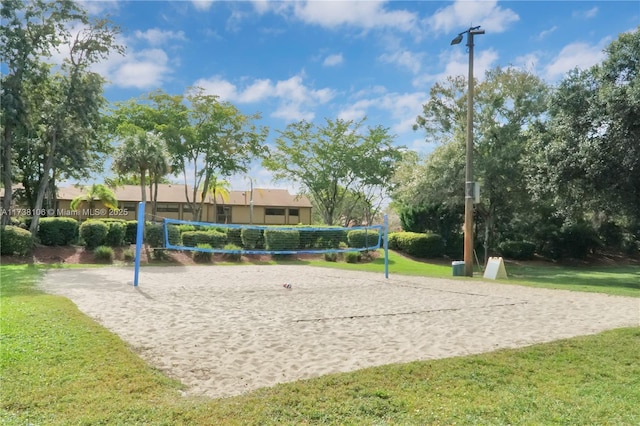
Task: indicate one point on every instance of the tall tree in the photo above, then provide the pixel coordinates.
(333, 159)
(52, 111)
(29, 32)
(508, 102)
(219, 141)
(138, 154)
(205, 137)
(587, 157)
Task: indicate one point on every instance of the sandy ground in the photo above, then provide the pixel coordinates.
(226, 330)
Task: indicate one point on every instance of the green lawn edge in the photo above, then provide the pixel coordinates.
(58, 367)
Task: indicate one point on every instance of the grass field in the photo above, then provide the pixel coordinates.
(57, 366)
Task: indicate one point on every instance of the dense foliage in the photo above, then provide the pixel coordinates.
(558, 167)
(15, 241)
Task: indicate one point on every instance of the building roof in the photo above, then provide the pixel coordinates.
(265, 197)
(172, 193)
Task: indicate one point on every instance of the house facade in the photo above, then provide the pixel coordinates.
(259, 207)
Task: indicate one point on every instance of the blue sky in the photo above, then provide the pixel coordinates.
(344, 59)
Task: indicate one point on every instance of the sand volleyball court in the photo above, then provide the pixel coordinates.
(226, 330)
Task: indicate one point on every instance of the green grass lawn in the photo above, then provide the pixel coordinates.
(614, 280)
(57, 366)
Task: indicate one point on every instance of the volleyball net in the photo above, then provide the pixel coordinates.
(239, 239)
(269, 239)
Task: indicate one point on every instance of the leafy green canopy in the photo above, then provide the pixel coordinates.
(334, 160)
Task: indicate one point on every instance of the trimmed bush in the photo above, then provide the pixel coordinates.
(420, 245)
(234, 236)
(154, 234)
(213, 238)
(517, 250)
(186, 228)
(202, 256)
(103, 254)
(331, 257)
(352, 256)
(57, 231)
(393, 240)
(117, 231)
(250, 238)
(276, 239)
(160, 255)
(232, 257)
(217, 239)
(94, 233)
(361, 238)
(15, 241)
(131, 231)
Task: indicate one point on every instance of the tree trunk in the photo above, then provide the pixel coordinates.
(6, 176)
(44, 183)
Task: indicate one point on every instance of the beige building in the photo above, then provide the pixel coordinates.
(270, 206)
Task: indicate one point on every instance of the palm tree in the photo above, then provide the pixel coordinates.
(143, 152)
(93, 193)
(216, 186)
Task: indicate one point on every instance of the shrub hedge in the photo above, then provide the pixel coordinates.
(361, 238)
(94, 233)
(277, 239)
(154, 234)
(131, 232)
(214, 239)
(57, 231)
(234, 236)
(233, 257)
(352, 256)
(251, 238)
(15, 241)
(420, 245)
(202, 256)
(117, 232)
(517, 250)
(103, 254)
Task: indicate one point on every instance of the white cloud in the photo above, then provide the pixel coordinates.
(296, 100)
(404, 59)
(144, 69)
(364, 15)
(528, 62)
(156, 36)
(202, 5)
(586, 14)
(333, 60)
(580, 55)
(545, 33)
(454, 17)
(457, 63)
(401, 107)
(99, 7)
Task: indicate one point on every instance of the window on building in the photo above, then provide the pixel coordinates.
(168, 208)
(274, 212)
(294, 212)
(223, 214)
(186, 208)
(130, 207)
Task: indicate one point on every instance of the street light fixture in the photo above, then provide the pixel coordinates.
(469, 187)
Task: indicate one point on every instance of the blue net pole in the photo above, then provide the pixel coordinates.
(139, 236)
(386, 246)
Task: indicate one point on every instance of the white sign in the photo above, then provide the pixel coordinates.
(495, 269)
